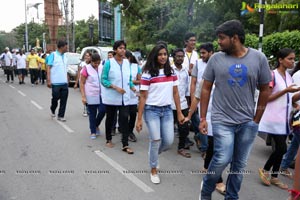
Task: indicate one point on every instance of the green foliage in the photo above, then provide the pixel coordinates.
(149, 21)
(7, 40)
(34, 31)
(251, 41)
(288, 39)
(82, 33)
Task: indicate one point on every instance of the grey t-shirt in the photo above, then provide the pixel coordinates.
(235, 81)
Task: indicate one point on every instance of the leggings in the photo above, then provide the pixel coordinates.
(276, 156)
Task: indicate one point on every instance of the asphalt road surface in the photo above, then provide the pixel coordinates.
(44, 159)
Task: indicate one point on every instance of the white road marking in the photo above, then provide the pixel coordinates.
(36, 105)
(12, 87)
(121, 169)
(24, 95)
(65, 126)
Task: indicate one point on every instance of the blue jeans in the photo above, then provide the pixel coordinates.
(96, 114)
(232, 144)
(203, 138)
(159, 121)
(291, 153)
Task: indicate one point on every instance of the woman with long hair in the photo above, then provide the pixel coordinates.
(275, 120)
(158, 88)
(135, 72)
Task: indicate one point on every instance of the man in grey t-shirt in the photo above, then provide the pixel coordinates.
(236, 72)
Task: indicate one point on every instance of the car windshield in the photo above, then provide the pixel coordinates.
(73, 59)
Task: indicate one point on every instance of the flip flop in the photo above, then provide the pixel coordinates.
(110, 144)
(265, 179)
(127, 150)
(279, 183)
(184, 153)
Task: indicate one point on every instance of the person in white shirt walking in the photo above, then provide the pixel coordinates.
(21, 66)
(183, 79)
(8, 65)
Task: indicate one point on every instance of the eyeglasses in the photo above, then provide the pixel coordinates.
(179, 56)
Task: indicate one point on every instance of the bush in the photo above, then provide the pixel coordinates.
(288, 39)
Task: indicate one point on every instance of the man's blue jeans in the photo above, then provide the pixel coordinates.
(203, 138)
(291, 153)
(232, 144)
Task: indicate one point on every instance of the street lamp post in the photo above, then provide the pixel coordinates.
(26, 29)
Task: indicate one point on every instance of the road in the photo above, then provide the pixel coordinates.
(43, 159)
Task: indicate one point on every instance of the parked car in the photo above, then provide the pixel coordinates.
(102, 51)
(73, 62)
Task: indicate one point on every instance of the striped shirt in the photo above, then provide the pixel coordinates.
(160, 88)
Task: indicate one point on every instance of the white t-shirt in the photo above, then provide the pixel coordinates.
(21, 61)
(190, 59)
(160, 88)
(296, 79)
(183, 87)
(7, 59)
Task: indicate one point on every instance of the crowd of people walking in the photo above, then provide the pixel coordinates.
(214, 96)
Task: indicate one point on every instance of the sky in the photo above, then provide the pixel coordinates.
(12, 12)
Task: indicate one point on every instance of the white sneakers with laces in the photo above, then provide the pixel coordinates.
(154, 178)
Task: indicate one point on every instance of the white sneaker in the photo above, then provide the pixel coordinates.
(62, 119)
(154, 178)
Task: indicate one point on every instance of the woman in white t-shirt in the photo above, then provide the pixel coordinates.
(158, 88)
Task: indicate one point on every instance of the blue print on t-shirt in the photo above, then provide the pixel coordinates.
(238, 73)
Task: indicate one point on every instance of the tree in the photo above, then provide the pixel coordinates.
(82, 32)
(34, 31)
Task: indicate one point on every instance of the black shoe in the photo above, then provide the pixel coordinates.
(132, 137)
(20, 82)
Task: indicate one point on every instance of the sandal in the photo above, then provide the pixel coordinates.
(264, 176)
(127, 150)
(278, 183)
(221, 188)
(110, 144)
(286, 173)
(184, 153)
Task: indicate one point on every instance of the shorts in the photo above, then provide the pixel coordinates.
(22, 72)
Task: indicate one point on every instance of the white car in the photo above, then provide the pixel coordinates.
(102, 51)
(73, 62)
